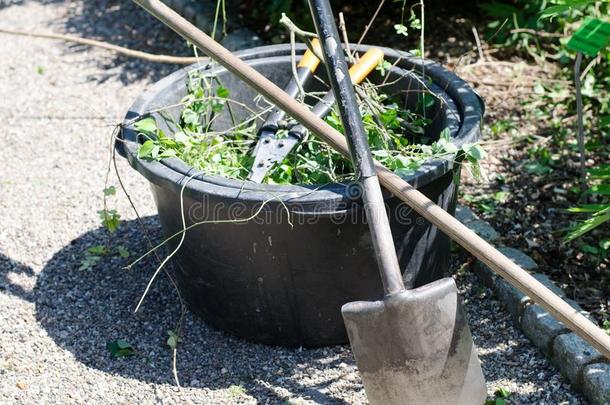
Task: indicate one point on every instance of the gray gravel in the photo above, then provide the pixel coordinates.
(58, 105)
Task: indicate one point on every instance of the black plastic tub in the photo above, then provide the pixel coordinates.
(281, 279)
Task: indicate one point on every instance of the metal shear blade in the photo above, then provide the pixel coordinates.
(270, 151)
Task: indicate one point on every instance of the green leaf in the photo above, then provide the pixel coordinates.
(587, 226)
(98, 250)
(145, 150)
(154, 153)
(88, 262)
(108, 191)
(110, 219)
(501, 196)
(588, 208)
(146, 125)
(600, 189)
(450, 147)
(469, 198)
(495, 401)
(553, 11)
(217, 106)
(120, 348)
(222, 92)
(401, 29)
(600, 172)
(487, 207)
(414, 22)
(586, 248)
(173, 339)
(383, 66)
(235, 391)
(445, 134)
(181, 137)
(124, 253)
(167, 153)
(189, 116)
(537, 168)
(605, 244)
(389, 117)
(428, 100)
(405, 172)
(474, 152)
(502, 392)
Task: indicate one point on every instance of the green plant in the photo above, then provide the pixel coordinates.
(95, 253)
(414, 21)
(500, 396)
(92, 256)
(173, 339)
(606, 326)
(236, 391)
(120, 348)
(227, 152)
(542, 29)
(111, 219)
(598, 213)
(487, 202)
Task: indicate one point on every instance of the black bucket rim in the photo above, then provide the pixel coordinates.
(175, 173)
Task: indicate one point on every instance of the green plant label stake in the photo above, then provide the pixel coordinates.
(591, 37)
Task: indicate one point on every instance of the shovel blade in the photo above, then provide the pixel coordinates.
(415, 347)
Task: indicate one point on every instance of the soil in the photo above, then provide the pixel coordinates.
(533, 217)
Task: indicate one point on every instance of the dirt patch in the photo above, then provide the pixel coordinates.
(527, 201)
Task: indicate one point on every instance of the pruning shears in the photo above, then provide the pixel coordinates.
(272, 149)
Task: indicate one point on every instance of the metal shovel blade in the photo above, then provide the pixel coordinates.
(415, 347)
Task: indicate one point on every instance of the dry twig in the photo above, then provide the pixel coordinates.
(150, 57)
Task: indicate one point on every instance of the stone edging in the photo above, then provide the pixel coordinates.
(201, 13)
(585, 367)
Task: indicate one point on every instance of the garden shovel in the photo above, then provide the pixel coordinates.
(413, 347)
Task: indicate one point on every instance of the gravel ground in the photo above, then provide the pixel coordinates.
(58, 106)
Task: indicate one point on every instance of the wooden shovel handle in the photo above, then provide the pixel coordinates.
(502, 265)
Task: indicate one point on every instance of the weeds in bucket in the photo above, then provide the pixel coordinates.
(228, 152)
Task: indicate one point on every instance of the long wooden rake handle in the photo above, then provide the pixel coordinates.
(502, 265)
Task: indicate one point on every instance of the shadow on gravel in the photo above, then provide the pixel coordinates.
(9, 266)
(124, 23)
(121, 23)
(81, 310)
